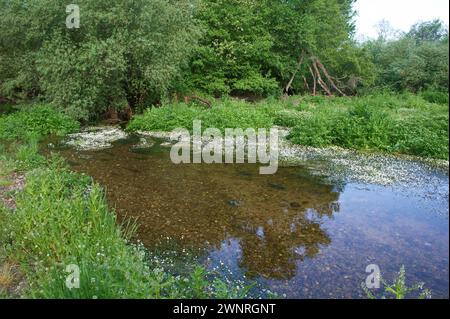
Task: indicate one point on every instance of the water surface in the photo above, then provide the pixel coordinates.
(297, 233)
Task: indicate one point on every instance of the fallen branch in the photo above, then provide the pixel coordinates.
(187, 99)
(329, 78)
(319, 79)
(306, 83)
(314, 80)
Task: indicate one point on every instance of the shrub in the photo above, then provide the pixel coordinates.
(223, 115)
(123, 52)
(435, 96)
(37, 121)
(393, 123)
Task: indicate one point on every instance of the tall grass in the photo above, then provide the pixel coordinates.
(224, 114)
(62, 219)
(394, 123)
(36, 121)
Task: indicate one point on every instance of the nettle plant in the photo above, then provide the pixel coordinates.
(398, 289)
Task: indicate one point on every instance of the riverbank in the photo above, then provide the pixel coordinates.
(388, 123)
(56, 225)
(53, 218)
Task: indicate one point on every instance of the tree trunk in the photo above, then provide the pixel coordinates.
(329, 78)
(288, 86)
(314, 80)
(319, 79)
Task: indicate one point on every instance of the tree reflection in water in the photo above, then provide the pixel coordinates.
(276, 218)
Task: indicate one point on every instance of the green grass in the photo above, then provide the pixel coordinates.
(35, 121)
(224, 114)
(62, 218)
(393, 123)
(435, 96)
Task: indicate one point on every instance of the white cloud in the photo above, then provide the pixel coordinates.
(401, 14)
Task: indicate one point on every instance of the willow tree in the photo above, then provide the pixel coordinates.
(123, 52)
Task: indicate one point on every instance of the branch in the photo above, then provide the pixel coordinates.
(324, 70)
(314, 80)
(319, 79)
(201, 100)
(299, 64)
(306, 83)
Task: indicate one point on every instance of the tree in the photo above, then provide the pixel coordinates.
(256, 46)
(234, 48)
(125, 52)
(417, 60)
(430, 31)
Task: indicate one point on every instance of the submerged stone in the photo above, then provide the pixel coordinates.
(234, 203)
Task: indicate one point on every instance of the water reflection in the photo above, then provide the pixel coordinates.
(277, 219)
(293, 232)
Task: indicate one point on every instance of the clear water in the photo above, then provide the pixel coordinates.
(297, 234)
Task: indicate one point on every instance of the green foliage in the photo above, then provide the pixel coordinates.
(416, 61)
(26, 155)
(37, 121)
(435, 96)
(136, 53)
(62, 219)
(123, 53)
(225, 114)
(252, 46)
(399, 289)
(405, 124)
(397, 124)
(235, 45)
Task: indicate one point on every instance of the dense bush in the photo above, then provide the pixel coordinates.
(417, 60)
(404, 123)
(227, 114)
(36, 121)
(123, 53)
(400, 124)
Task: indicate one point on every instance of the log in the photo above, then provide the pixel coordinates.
(187, 99)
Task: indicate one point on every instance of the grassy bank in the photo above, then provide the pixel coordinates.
(61, 218)
(403, 124)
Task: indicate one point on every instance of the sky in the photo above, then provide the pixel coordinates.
(401, 14)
